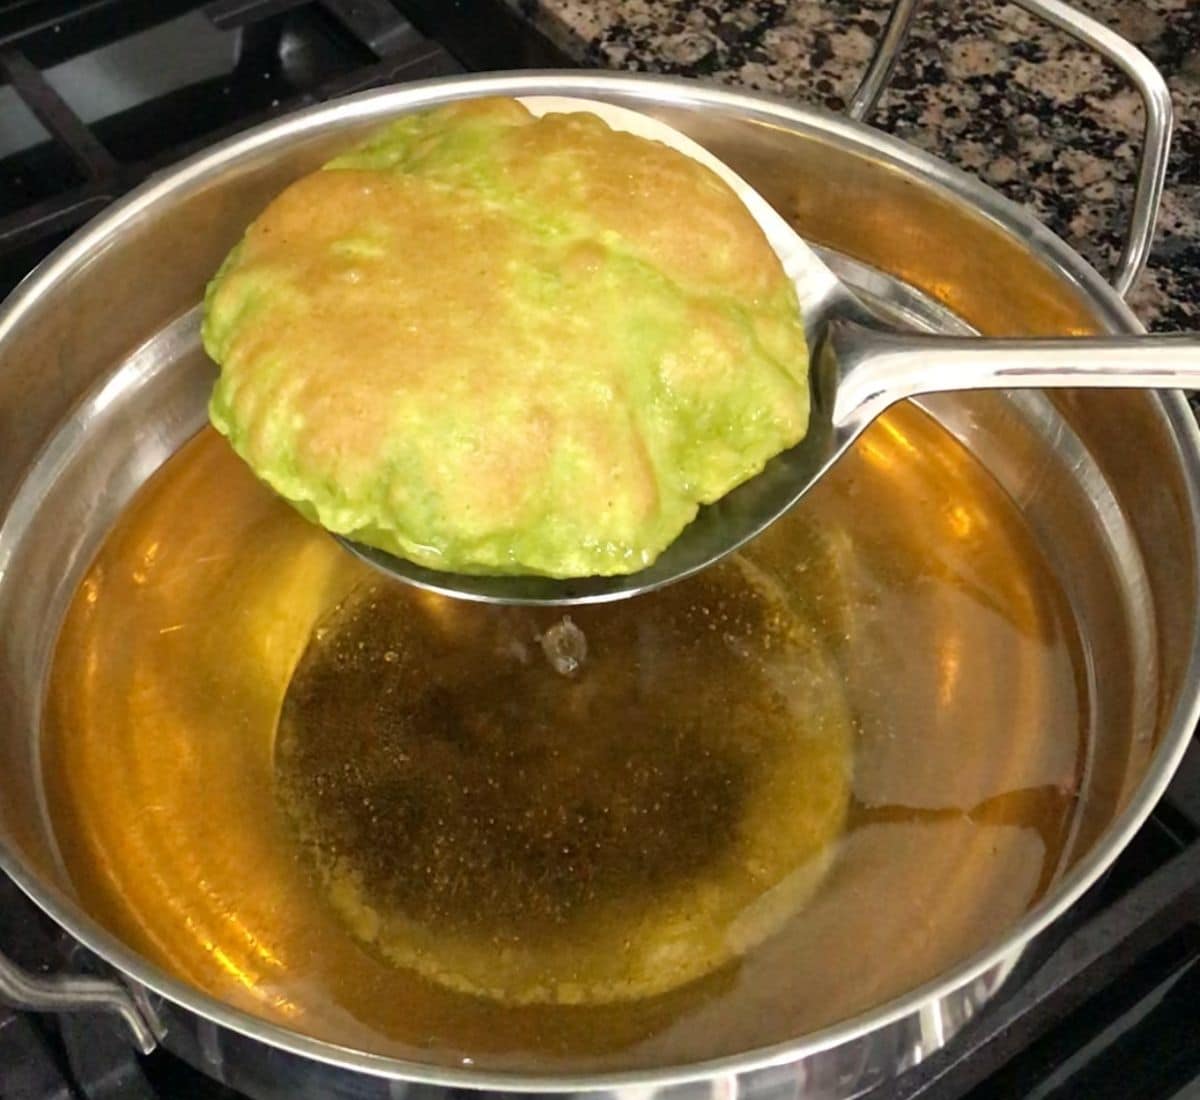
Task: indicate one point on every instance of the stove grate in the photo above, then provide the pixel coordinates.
(251, 60)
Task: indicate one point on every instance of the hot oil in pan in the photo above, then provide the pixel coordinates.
(770, 797)
(539, 833)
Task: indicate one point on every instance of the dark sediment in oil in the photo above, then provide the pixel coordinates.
(902, 613)
(528, 836)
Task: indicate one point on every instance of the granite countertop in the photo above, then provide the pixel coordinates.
(980, 83)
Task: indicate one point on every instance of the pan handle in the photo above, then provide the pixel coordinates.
(1156, 135)
(75, 993)
(887, 52)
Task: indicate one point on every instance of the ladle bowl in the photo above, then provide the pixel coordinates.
(859, 368)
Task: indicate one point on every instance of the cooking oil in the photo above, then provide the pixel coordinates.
(713, 818)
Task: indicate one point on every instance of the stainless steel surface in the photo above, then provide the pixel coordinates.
(875, 369)
(75, 993)
(1108, 483)
(887, 51)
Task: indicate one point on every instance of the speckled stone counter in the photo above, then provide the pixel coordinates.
(980, 83)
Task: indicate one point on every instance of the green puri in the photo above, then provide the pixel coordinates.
(491, 343)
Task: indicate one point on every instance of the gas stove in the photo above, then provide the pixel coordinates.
(100, 95)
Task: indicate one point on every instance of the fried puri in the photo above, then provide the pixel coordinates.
(493, 343)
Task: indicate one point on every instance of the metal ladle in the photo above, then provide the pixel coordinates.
(858, 368)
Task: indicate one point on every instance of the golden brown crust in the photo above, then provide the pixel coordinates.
(498, 344)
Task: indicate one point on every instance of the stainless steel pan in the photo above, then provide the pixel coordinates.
(1109, 483)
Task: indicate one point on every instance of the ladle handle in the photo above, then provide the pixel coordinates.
(877, 369)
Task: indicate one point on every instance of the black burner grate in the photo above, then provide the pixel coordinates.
(205, 73)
